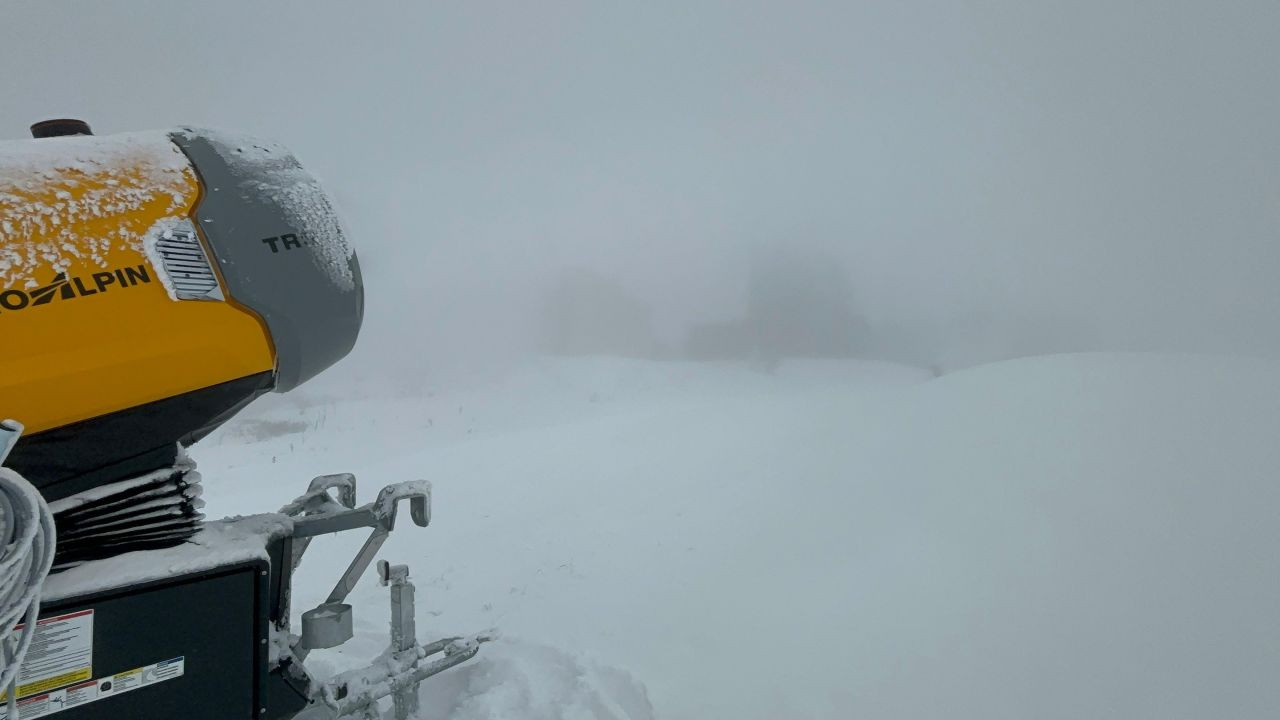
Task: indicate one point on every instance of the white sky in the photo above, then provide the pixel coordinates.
(1109, 169)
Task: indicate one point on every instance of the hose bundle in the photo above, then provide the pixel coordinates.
(27, 541)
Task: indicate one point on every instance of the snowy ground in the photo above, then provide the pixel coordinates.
(1063, 537)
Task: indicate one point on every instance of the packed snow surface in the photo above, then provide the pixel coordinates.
(1060, 537)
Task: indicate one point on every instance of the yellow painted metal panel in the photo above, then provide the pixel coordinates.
(86, 326)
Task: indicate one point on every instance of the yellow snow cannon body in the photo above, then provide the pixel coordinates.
(151, 285)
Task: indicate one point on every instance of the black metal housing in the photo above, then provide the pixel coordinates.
(218, 619)
(215, 619)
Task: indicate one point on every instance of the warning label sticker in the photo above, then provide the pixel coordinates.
(93, 690)
(61, 653)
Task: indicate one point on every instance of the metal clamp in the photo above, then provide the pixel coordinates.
(318, 513)
(317, 500)
(10, 431)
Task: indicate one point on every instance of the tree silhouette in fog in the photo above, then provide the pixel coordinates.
(801, 304)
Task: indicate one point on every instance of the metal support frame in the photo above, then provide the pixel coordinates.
(318, 512)
(329, 506)
(396, 673)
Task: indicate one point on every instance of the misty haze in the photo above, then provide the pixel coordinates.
(767, 360)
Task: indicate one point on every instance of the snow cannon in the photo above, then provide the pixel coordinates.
(151, 285)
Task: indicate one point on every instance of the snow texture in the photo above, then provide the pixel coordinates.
(1057, 537)
(112, 176)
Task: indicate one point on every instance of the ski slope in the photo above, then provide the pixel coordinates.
(1057, 537)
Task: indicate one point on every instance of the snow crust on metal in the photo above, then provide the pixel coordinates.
(218, 543)
(184, 464)
(277, 174)
(110, 175)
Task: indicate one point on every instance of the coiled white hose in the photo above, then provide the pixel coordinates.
(27, 540)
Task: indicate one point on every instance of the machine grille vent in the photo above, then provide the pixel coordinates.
(186, 265)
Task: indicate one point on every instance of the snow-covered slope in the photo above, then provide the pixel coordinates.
(1071, 536)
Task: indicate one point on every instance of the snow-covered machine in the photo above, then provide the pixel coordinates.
(151, 285)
